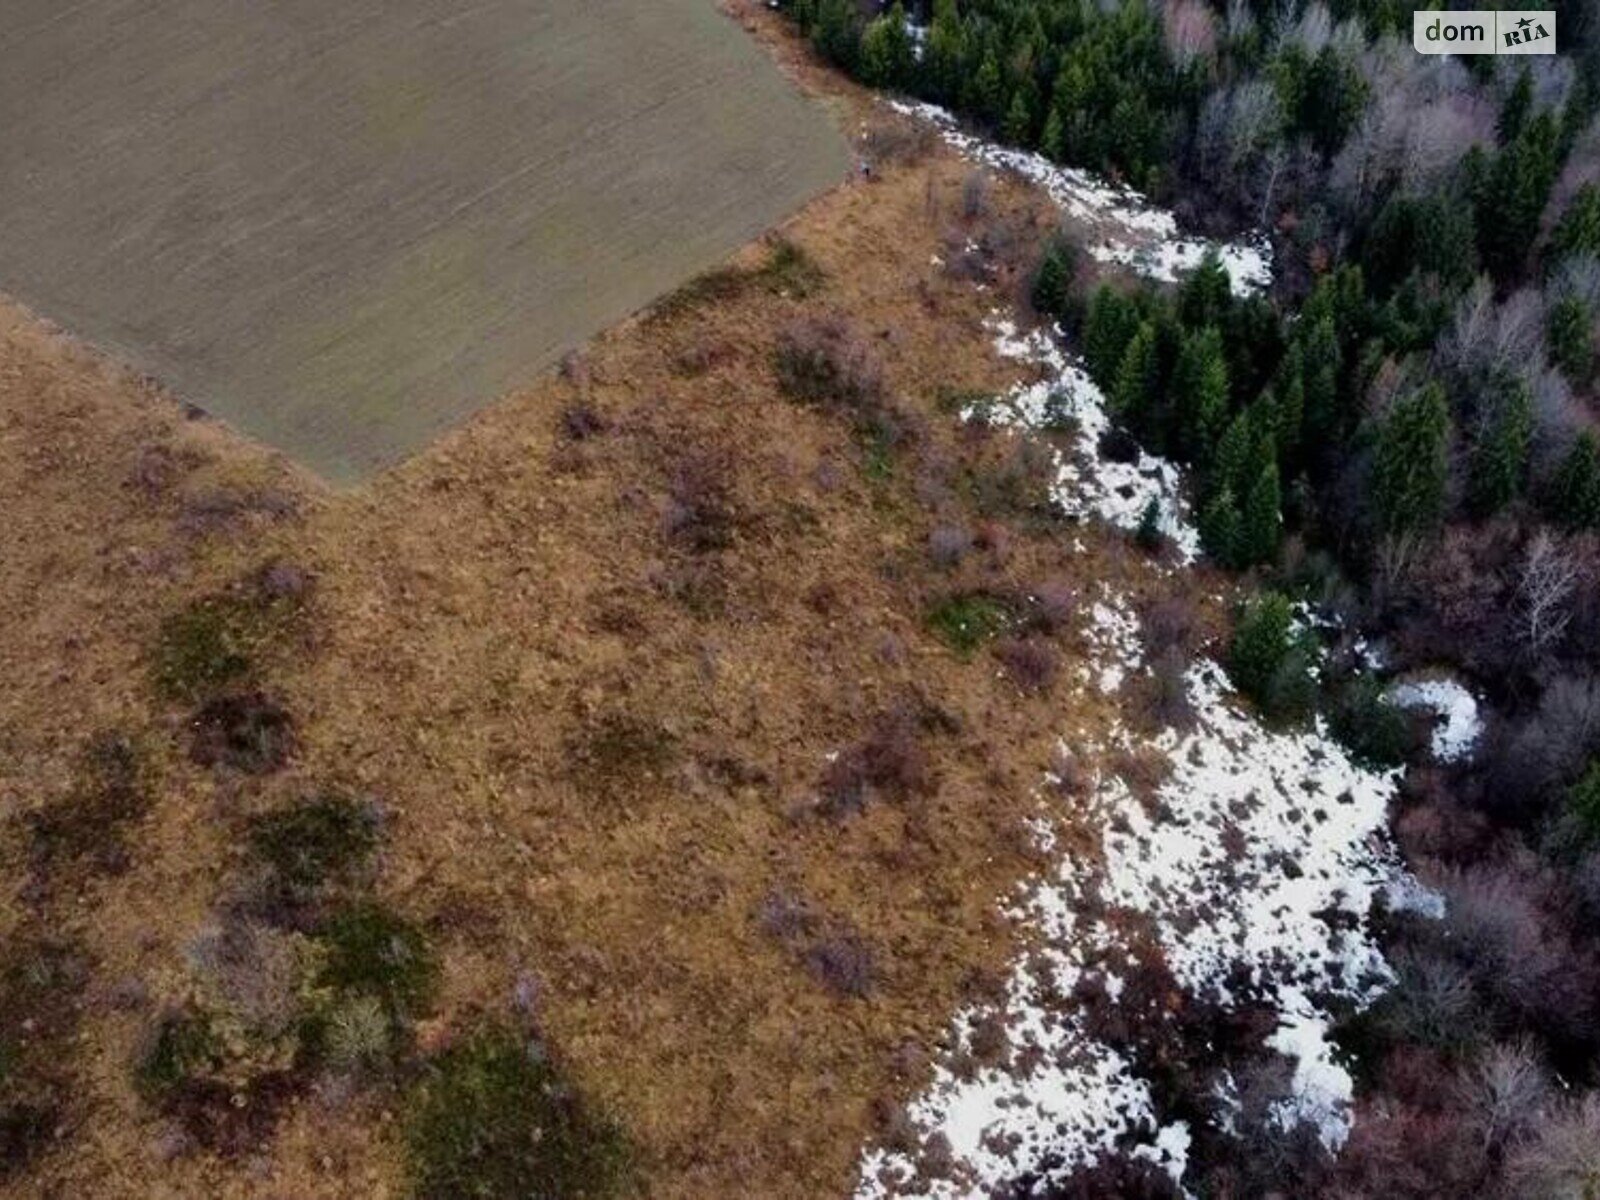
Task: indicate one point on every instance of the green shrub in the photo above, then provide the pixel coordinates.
(966, 621)
(1270, 661)
(182, 1046)
(315, 842)
(1374, 731)
(492, 1119)
(371, 951)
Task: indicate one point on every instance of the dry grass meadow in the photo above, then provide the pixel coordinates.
(590, 654)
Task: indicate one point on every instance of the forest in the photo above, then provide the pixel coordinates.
(1404, 433)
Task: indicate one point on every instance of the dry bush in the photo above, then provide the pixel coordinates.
(785, 916)
(1031, 665)
(975, 189)
(891, 761)
(582, 421)
(898, 142)
(842, 963)
(1164, 691)
(700, 513)
(1169, 624)
(1504, 1093)
(1052, 606)
(826, 360)
(1562, 1159)
(948, 545)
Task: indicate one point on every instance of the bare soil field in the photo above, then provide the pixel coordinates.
(604, 657)
(342, 228)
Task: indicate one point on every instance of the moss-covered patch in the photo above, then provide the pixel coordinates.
(316, 842)
(372, 951)
(218, 641)
(966, 621)
(493, 1119)
(181, 1047)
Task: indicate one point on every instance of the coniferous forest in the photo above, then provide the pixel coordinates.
(1405, 432)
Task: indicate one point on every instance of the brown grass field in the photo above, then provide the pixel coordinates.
(478, 616)
(343, 228)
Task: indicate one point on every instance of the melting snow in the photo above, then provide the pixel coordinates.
(1087, 482)
(1458, 726)
(1256, 865)
(1133, 232)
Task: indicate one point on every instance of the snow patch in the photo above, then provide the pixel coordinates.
(1132, 232)
(1458, 724)
(1087, 483)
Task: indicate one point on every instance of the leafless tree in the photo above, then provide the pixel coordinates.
(1562, 1161)
(1549, 577)
(1190, 29)
(1505, 1091)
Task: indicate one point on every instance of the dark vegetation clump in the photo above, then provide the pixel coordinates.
(966, 620)
(494, 1118)
(318, 842)
(248, 732)
(701, 515)
(372, 951)
(788, 271)
(1271, 659)
(619, 748)
(41, 989)
(86, 826)
(842, 963)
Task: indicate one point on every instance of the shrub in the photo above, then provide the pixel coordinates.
(357, 1034)
(316, 841)
(948, 545)
(492, 1119)
(700, 513)
(967, 620)
(826, 361)
(204, 648)
(245, 731)
(371, 951)
(1583, 802)
(41, 983)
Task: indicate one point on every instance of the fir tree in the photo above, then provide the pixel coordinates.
(1138, 379)
(1574, 495)
(887, 57)
(1018, 126)
(1201, 386)
(1410, 465)
(1262, 522)
(1053, 141)
(1207, 295)
(1579, 229)
(1112, 321)
(1052, 283)
(1220, 525)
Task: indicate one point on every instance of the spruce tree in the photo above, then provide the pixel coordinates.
(1018, 126)
(1410, 466)
(1579, 229)
(1112, 321)
(1206, 295)
(1053, 141)
(1052, 283)
(1569, 331)
(1499, 461)
(1220, 525)
(1262, 523)
(888, 59)
(1139, 380)
(1201, 386)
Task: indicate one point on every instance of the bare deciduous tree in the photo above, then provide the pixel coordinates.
(1545, 589)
